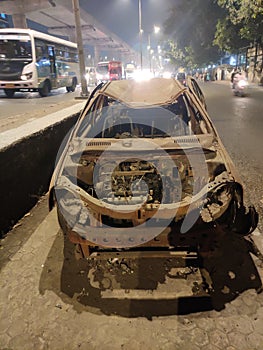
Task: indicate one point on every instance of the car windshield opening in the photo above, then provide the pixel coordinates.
(112, 119)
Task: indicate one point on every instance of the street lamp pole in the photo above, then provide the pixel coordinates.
(149, 51)
(140, 30)
(156, 31)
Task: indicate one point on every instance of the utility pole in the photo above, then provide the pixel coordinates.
(140, 30)
(84, 89)
(149, 51)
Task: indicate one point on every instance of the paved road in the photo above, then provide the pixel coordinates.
(240, 124)
(46, 301)
(238, 120)
(28, 106)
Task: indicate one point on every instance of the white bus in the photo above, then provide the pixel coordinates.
(34, 61)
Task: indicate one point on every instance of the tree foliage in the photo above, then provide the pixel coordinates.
(228, 37)
(246, 16)
(200, 29)
(179, 58)
(192, 25)
(174, 54)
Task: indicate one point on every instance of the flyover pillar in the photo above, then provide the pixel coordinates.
(19, 20)
(19, 8)
(96, 55)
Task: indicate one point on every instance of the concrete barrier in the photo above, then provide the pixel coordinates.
(27, 159)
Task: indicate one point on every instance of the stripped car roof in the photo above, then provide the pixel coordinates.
(158, 92)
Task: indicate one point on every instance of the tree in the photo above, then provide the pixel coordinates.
(228, 37)
(244, 25)
(192, 25)
(174, 54)
(246, 16)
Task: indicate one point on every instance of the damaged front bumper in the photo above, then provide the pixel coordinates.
(152, 229)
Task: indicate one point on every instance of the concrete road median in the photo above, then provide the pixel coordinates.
(27, 158)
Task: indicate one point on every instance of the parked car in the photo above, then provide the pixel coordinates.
(143, 168)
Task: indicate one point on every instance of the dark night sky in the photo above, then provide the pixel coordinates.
(121, 16)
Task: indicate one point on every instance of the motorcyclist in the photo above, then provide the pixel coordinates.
(237, 77)
(235, 72)
(240, 84)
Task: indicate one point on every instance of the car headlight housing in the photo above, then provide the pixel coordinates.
(27, 76)
(72, 209)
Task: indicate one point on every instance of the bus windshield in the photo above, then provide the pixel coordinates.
(15, 47)
(102, 69)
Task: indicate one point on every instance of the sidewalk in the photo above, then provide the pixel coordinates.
(37, 314)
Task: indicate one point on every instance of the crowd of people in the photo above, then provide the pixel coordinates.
(202, 76)
(219, 75)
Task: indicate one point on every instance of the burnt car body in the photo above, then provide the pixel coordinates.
(194, 87)
(145, 173)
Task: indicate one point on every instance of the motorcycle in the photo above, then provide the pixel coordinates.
(240, 86)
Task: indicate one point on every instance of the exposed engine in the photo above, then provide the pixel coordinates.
(136, 181)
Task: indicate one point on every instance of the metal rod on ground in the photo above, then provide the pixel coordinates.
(84, 88)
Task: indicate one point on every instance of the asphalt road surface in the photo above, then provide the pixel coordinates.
(27, 106)
(239, 123)
(48, 300)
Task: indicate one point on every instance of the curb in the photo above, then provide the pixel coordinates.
(27, 158)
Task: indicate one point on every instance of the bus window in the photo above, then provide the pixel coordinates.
(41, 50)
(23, 49)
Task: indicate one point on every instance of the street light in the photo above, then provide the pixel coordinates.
(156, 30)
(140, 30)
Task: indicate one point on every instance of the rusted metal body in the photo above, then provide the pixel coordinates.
(145, 174)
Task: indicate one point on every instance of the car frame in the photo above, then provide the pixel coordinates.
(218, 204)
(194, 87)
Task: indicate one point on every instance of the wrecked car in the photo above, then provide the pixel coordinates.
(194, 87)
(144, 173)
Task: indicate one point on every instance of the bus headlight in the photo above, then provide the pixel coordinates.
(26, 76)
